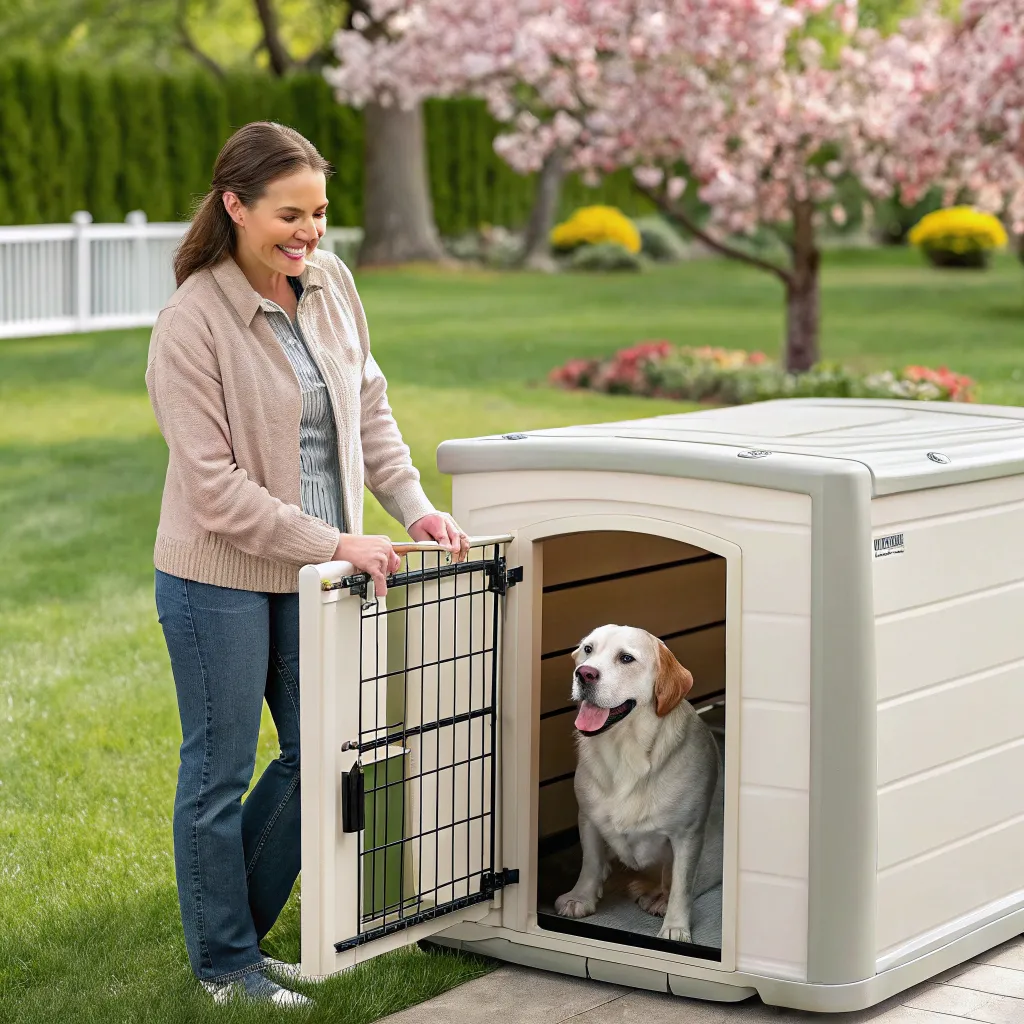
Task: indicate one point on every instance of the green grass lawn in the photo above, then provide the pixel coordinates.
(89, 926)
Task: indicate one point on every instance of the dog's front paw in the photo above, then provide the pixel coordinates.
(674, 933)
(574, 904)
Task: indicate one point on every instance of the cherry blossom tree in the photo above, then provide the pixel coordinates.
(739, 103)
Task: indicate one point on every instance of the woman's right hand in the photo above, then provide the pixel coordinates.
(371, 554)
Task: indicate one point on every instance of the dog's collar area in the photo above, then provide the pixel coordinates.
(616, 714)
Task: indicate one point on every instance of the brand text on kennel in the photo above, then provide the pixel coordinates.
(845, 581)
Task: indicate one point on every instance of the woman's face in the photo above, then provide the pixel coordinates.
(283, 227)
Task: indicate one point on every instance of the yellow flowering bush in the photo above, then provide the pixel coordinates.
(960, 236)
(594, 225)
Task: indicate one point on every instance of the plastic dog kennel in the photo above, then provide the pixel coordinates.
(844, 579)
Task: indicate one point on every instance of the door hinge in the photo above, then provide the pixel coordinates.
(492, 881)
(500, 578)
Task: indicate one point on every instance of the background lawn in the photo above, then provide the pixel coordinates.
(89, 925)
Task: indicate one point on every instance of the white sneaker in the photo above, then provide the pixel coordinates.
(254, 987)
(280, 969)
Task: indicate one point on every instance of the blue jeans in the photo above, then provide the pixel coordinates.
(235, 862)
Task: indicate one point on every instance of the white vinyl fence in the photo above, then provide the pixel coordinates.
(65, 278)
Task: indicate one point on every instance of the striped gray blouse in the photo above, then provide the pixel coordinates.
(319, 477)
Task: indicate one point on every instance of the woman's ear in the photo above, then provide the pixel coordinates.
(234, 206)
(673, 682)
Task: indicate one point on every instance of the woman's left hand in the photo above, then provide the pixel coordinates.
(442, 528)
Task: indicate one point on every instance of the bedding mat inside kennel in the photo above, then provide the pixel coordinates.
(618, 917)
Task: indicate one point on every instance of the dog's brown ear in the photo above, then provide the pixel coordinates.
(673, 683)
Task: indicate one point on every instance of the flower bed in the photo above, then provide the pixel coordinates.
(660, 369)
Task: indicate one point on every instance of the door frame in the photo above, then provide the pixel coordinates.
(521, 723)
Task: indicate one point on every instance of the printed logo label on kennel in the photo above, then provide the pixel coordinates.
(892, 544)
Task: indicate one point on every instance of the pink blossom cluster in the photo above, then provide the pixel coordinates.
(761, 136)
(968, 130)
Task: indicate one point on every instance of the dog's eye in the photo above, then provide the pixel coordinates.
(588, 649)
(626, 658)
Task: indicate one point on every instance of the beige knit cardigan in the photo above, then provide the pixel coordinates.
(228, 405)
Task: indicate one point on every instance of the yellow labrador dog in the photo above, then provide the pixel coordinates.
(647, 777)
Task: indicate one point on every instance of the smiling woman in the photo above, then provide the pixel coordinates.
(275, 414)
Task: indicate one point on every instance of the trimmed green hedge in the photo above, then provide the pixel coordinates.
(109, 143)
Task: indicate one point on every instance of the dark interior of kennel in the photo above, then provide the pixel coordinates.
(677, 592)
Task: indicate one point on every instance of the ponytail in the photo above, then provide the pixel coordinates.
(210, 237)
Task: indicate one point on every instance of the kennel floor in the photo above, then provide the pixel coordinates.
(618, 917)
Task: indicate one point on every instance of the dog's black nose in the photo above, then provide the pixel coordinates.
(588, 675)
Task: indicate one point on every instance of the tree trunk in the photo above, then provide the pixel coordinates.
(803, 305)
(537, 248)
(398, 214)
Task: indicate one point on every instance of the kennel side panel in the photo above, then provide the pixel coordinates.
(774, 762)
(950, 713)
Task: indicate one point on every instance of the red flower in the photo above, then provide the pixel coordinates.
(574, 374)
(957, 386)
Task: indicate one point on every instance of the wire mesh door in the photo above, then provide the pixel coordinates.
(412, 683)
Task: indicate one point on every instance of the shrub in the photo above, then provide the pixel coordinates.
(659, 240)
(604, 256)
(958, 237)
(111, 138)
(735, 377)
(594, 225)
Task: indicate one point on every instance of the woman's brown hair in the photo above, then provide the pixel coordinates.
(254, 156)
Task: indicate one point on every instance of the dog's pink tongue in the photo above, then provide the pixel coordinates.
(591, 717)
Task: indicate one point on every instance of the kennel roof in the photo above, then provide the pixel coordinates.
(905, 445)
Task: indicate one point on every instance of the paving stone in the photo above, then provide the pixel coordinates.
(512, 995)
(1010, 954)
(1000, 981)
(970, 1003)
